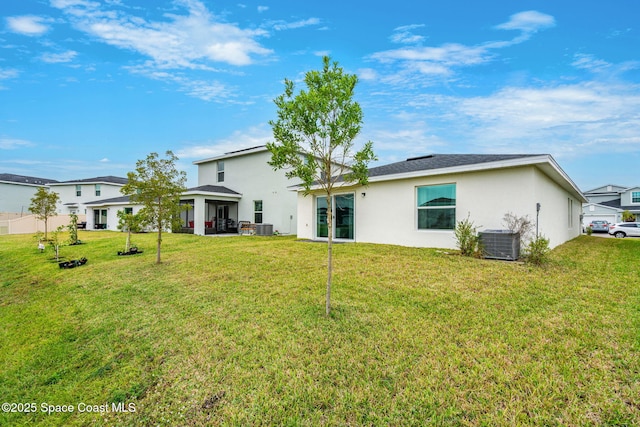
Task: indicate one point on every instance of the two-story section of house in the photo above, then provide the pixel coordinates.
(240, 187)
(609, 202)
(75, 194)
(16, 192)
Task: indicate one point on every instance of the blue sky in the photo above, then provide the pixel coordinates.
(89, 87)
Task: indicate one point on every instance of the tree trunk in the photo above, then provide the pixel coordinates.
(127, 246)
(160, 222)
(329, 253)
(159, 242)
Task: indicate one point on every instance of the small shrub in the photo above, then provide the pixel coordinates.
(627, 216)
(519, 224)
(537, 250)
(467, 238)
(54, 242)
(73, 229)
(589, 231)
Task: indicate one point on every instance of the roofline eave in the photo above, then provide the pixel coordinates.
(541, 160)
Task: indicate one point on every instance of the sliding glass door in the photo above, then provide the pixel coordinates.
(343, 216)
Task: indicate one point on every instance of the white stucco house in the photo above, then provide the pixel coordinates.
(417, 202)
(240, 186)
(609, 201)
(76, 194)
(16, 192)
(235, 187)
(103, 214)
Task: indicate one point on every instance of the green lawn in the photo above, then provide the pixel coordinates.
(231, 331)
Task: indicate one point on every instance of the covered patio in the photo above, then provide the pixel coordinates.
(212, 209)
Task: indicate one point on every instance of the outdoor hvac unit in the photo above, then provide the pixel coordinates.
(264, 229)
(500, 244)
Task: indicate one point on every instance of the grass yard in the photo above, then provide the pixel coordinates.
(231, 331)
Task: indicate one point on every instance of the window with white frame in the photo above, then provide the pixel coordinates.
(220, 171)
(78, 190)
(436, 206)
(570, 213)
(97, 189)
(635, 197)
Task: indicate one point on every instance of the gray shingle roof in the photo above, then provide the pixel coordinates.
(441, 161)
(127, 199)
(120, 199)
(214, 189)
(618, 205)
(107, 179)
(22, 179)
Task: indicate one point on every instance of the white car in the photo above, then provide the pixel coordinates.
(624, 229)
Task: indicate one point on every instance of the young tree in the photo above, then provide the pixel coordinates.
(130, 223)
(156, 184)
(73, 229)
(314, 136)
(55, 241)
(43, 206)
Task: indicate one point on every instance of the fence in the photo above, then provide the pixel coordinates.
(27, 224)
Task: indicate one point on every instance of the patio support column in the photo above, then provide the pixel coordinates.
(198, 215)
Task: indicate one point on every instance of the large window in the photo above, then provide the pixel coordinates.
(343, 216)
(635, 197)
(220, 171)
(436, 207)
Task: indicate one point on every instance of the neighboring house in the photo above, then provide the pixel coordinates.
(203, 201)
(240, 186)
(76, 194)
(608, 202)
(418, 202)
(103, 214)
(16, 192)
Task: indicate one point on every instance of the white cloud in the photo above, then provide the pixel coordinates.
(590, 62)
(206, 90)
(27, 25)
(367, 74)
(282, 25)
(8, 73)
(566, 118)
(262, 9)
(405, 35)
(413, 140)
(451, 54)
(442, 60)
(562, 119)
(12, 144)
(598, 66)
(62, 4)
(191, 40)
(252, 137)
(528, 22)
(54, 58)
